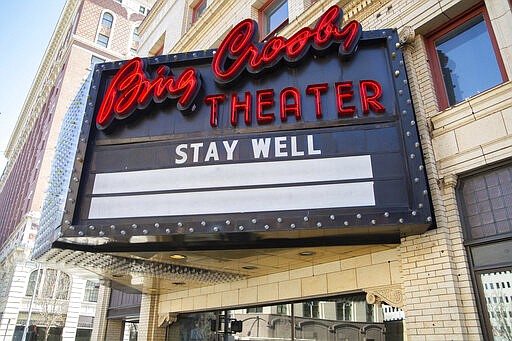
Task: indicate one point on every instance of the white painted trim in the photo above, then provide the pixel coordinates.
(236, 175)
(234, 201)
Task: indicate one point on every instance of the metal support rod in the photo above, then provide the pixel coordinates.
(226, 324)
(293, 321)
(7, 327)
(25, 329)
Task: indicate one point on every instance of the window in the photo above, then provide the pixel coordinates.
(62, 286)
(292, 323)
(96, 60)
(52, 284)
(198, 10)
(107, 20)
(105, 28)
(457, 51)
(273, 16)
(31, 287)
(486, 212)
(102, 40)
(254, 310)
(344, 311)
(91, 291)
(135, 41)
(142, 9)
(311, 309)
(282, 309)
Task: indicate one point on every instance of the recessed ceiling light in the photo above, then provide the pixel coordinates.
(177, 256)
(306, 253)
(249, 267)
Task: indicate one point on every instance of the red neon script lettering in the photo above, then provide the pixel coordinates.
(131, 89)
(239, 52)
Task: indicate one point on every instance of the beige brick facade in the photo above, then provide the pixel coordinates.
(432, 269)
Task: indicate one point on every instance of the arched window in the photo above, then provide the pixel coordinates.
(63, 286)
(31, 287)
(105, 29)
(107, 20)
(52, 283)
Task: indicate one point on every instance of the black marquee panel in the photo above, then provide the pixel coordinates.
(164, 178)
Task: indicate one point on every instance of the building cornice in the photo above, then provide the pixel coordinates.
(353, 10)
(40, 88)
(150, 18)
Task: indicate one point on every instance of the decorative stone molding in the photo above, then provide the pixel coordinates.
(390, 294)
(449, 181)
(166, 319)
(406, 35)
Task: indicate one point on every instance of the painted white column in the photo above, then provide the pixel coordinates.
(76, 297)
(15, 297)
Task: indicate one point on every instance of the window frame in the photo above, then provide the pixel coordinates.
(195, 15)
(263, 18)
(435, 67)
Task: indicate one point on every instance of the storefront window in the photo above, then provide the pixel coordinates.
(498, 302)
(486, 210)
(346, 317)
(131, 331)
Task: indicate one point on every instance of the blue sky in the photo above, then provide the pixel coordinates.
(26, 27)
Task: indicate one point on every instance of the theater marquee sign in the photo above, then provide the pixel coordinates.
(309, 140)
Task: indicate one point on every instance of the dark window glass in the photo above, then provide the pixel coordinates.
(467, 60)
(255, 310)
(275, 15)
(282, 309)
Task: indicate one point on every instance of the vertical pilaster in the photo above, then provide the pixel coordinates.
(74, 308)
(149, 329)
(438, 301)
(99, 330)
(15, 297)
